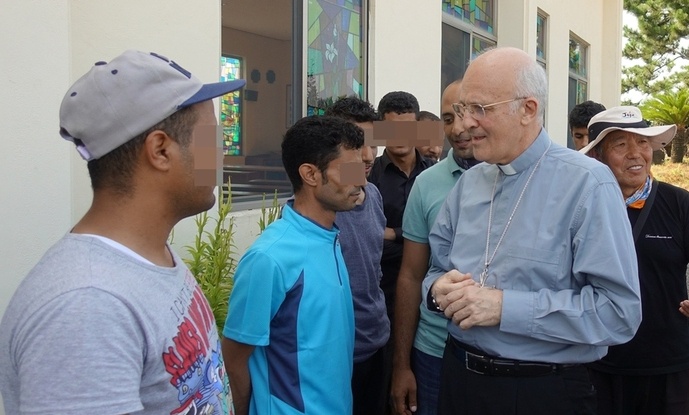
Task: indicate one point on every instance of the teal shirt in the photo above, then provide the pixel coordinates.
(425, 199)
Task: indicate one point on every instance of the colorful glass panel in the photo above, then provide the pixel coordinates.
(335, 65)
(231, 107)
(582, 92)
(479, 44)
(478, 13)
(577, 57)
(540, 37)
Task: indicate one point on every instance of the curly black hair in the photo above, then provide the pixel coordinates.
(399, 102)
(582, 113)
(352, 109)
(317, 140)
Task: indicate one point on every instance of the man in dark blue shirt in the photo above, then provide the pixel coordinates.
(394, 173)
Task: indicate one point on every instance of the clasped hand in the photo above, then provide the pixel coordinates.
(465, 302)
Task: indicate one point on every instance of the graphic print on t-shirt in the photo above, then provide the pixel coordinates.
(195, 360)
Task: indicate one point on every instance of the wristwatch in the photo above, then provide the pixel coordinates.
(432, 304)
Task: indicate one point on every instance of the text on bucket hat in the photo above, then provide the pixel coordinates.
(118, 100)
(626, 118)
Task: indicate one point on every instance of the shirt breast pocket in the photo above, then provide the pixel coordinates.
(531, 269)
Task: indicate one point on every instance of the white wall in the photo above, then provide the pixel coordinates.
(404, 50)
(34, 160)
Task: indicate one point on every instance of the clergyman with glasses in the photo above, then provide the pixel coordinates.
(533, 261)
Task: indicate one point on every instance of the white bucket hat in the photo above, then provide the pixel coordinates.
(627, 119)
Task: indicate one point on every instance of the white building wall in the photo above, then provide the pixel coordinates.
(404, 50)
(34, 162)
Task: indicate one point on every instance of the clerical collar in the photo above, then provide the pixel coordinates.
(529, 157)
(507, 169)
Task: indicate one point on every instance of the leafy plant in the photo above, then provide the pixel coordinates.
(269, 215)
(211, 258)
(670, 108)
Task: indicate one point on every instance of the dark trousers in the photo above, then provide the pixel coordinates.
(371, 384)
(642, 395)
(462, 391)
(427, 370)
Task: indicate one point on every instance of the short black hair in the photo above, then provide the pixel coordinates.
(352, 109)
(317, 140)
(582, 113)
(427, 116)
(115, 170)
(399, 102)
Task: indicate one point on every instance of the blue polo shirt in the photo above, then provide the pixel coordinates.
(291, 299)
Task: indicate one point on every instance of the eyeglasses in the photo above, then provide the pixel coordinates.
(478, 111)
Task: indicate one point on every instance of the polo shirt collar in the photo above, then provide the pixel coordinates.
(452, 165)
(307, 225)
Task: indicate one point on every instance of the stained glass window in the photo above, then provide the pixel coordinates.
(479, 44)
(335, 65)
(231, 107)
(577, 57)
(541, 32)
(479, 13)
(578, 80)
(458, 48)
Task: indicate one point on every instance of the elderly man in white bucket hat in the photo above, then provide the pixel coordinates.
(650, 373)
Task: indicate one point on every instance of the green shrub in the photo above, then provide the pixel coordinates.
(212, 257)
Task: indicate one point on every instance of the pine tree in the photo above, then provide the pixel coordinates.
(657, 45)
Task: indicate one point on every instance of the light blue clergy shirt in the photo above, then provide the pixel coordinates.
(567, 264)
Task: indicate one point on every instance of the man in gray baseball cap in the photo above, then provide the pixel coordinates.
(111, 321)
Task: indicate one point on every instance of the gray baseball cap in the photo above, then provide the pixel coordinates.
(118, 100)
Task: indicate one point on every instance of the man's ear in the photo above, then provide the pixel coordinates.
(530, 110)
(310, 174)
(596, 153)
(157, 150)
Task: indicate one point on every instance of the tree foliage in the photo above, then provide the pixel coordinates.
(657, 47)
(670, 108)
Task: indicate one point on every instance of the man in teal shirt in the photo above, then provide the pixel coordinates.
(416, 370)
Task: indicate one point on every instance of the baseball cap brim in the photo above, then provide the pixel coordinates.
(659, 135)
(210, 91)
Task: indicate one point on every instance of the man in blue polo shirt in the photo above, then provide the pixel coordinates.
(361, 234)
(289, 333)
